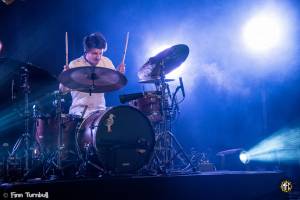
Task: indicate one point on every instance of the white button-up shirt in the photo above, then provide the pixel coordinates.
(81, 99)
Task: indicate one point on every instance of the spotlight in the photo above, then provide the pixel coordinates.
(282, 146)
(244, 157)
(231, 160)
(264, 32)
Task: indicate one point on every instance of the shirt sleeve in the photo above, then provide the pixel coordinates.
(108, 63)
(76, 63)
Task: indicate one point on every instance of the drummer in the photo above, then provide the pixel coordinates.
(94, 45)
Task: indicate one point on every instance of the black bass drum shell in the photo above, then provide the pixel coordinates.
(123, 138)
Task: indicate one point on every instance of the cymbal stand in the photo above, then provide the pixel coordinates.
(93, 78)
(60, 129)
(165, 151)
(25, 136)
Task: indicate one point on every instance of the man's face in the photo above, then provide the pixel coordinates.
(94, 56)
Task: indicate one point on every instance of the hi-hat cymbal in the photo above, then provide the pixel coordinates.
(11, 66)
(164, 62)
(39, 80)
(92, 79)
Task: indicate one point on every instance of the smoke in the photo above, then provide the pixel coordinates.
(217, 52)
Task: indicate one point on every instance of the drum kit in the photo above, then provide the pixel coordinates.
(127, 139)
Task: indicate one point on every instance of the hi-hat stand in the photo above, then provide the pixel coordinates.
(25, 137)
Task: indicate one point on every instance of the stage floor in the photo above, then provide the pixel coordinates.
(205, 185)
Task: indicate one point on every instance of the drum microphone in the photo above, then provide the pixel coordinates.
(181, 86)
(35, 110)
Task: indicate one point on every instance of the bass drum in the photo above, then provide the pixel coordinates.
(122, 137)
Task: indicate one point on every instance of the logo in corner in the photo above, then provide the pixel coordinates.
(286, 186)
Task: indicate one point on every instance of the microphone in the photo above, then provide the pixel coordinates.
(35, 110)
(181, 86)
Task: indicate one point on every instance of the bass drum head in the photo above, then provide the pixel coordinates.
(124, 139)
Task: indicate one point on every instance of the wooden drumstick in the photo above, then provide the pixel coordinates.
(125, 49)
(67, 49)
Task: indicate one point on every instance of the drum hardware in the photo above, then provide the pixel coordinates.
(4, 161)
(174, 105)
(123, 149)
(23, 82)
(92, 79)
(25, 137)
(155, 81)
(129, 97)
(53, 161)
(60, 130)
(147, 102)
(171, 58)
(88, 154)
(13, 168)
(88, 159)
(156, 68)
(166, 140)
(56, 150)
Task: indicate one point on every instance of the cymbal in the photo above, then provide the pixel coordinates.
(166, 61)
(155, 80)
(40, 81)
(92, 79)
(35, 72)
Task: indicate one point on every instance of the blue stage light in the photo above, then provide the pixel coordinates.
(283, 146)
(244, 157)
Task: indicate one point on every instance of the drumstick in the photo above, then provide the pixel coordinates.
(67, 49)
(125, 49)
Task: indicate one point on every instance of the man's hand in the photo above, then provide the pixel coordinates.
(62, 88)
(121, 68)
(66, 67)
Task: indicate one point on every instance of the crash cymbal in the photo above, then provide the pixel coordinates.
(166, 61)
(92, 79)
(155, 80)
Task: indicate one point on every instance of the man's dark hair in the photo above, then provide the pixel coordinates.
(94, 40)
